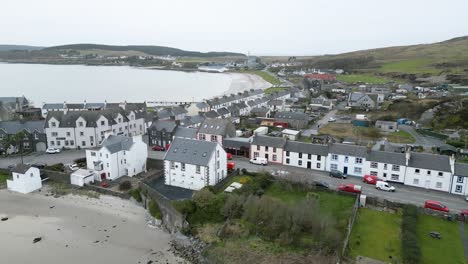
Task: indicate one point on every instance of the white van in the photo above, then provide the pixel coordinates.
(259, 161)
(381, 185)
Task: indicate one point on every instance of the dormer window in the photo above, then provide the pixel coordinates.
(53, 124)
(80, 124)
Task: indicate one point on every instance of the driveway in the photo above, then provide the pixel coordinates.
(425, 141)
(66, 156)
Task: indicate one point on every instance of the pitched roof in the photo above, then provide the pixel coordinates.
(429, 161)
(275, 102)
(262, 110)
(91, 117)
(387, 157)
(461, 169)
(348, 150)
(236, 143)
(185, 132)
(222, 127)
(302, 147)
(21, 168)
(13, 127)
(277, 142)
(212, 114)
(191, 151)
(202, 105)
(291, 115)
(117, 143)
(167, 125)
(223, 111)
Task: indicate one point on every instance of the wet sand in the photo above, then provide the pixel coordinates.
(244, 81)
(78, 229)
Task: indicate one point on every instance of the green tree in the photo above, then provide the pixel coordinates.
(17, 141)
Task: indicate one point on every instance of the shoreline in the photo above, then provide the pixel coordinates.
(80, 230)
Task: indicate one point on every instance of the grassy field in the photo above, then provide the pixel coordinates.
(365, 78)
(273, 90)
(400, 137)
(265, 76)
(446, 250)
(410, 66)
(349, 131)
(3, 178)
(376, 235)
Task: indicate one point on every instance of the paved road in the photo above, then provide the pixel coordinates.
(64, 157)
(319, 123)
(403, 194)
(425, 141)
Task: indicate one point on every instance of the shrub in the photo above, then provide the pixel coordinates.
(154, 210)
(185, 206)
(135, 193)
(411, 250)
(125, 186)
(244, 180)
(55, 167)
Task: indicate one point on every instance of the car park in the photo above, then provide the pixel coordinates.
(351, 188)
(337, 174)
(259, 161)
(384, 186)
(437, 206)
(52, 150)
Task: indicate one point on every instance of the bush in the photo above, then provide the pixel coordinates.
(154, 210)
(125, 186)
(185, 206)
(135, 193)
(55, 167)
(411, 250)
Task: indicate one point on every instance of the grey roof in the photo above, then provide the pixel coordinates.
(166, 125)
(223, 111)
(461, 169)
(202, 105)
(301, 147)
(387, 157)
(196, 119)
(179, 110)
(185, 132)
(13, 127)
(91, 117)
(291, 115)
(236, 143)
(52, 106)
(429, 161)
(212, 114)
(222, 127)
(241, 105)
(317, 101)
(262, 110)
(277, 142)
(7, 100)
(233, 108)
(275, 102)
(165, 113)
(191, 151)
(388, 123)
(117, 143)
(21, 168)
(348, 150)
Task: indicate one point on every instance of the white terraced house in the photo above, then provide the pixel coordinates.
(460, 179)
(305, 155)
(270, 148)
(348, 159)
(87, 129)
(117, 156)
(194, 164)
(390, 166)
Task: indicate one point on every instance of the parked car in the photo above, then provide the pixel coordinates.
(230, 166)
(437, 206)
(39, 165)
(384, 186)
(158, 148)
(370, 179)
(229, 156)
(321, 184)
(105, 184)
(350, 188)
(11, 167)
(331, 119)
(337, 174)
(52, 150)
(259, 161)
(73, 167)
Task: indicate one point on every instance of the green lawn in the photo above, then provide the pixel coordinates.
(410, 66)
(376, 235)
(449, 249)
(3, 178)
(401, 137)
(265, 76)
(365, 78)
(273, 90)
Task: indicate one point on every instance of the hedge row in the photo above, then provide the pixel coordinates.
(411, 250)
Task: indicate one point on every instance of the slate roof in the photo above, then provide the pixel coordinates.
(277, 142)
(91, 117)
(52, 106)
(251, 103)
(13, 127)
(309, 148)
(167, 125)
(291, 115)
(117, 143)
(202, 105)
(223, 111)
(179, 110)
(222, 127)
(236, 143)
(429, 161)
(190, 151)
(348, 150)
(354, 97)
(461, 169)
(241, 105)
(275, 102)
(387, 157)
(212, 114)
(185, 132)
(262, 110)
(21, 168)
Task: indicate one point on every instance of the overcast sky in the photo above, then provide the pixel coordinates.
(261, 27)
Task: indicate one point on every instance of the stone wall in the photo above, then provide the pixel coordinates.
(57, 176)
(105, 191)
(154, 164)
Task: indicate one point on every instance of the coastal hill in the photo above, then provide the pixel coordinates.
(139, 50)
(18, 47)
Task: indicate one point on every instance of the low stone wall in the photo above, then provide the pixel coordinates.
(57, 176)
(105, 191)
(351, 221)
(154, 164)
(172, 220)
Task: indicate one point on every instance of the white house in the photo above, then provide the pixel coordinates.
(429, 171)
(290, 134)
(118, 156)
(460, 179)
(216, 130)
(81, 177)
(194, 164)
(270, 148)
(305, 155)
(390, 166)
(25, 179)
(349, 159)
(197, 107)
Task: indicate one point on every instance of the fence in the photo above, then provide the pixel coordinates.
(351, 221)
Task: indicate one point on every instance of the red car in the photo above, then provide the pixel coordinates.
(350, 188)
(105, 184)
(158, 148)
(231, 166)
(370, 179)
(434, 205)
(229, 156)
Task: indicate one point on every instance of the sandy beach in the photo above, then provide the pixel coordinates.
(78, 229)
(244, 81)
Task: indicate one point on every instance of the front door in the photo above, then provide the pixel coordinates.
(266, 156)
(309, 165)
(345, 170)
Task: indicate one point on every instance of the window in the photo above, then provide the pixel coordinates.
(395, 168)
(287, 161)
(439, 185)
(299, 163)
(66, 142)
(346, 159)
(54, 134)
(107, 165)
(93, 154)
(197, 170)
(333, 166)
(256, 154)
(72, 142)
(126, 127)
(300, 155)
(385, 166)
(395, 177)
(202, 137)
(274, 157)
(334, 157)
(68, 134)
(53, 124)
(80, 124)
(83, 143)
(358, 160)
(287, 153)
(107, 156)
(357, 170)
(258, 147)
(58, 143)
(415, 181)
(81, 133)
(31, 174)
(120, 129)
(458, 188)
(217, 164)
(182, 166)
(52, 143)
(103, 123)
(441, 174)
(318, 165)
(309, 156)
(274, 149)
(213, 138)
(266, 148)
(459, 179)
(416, 171)
(428, 172)
(172, 164)
(374, 165)
(91, 138)
(319, 157)
(373, 173)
